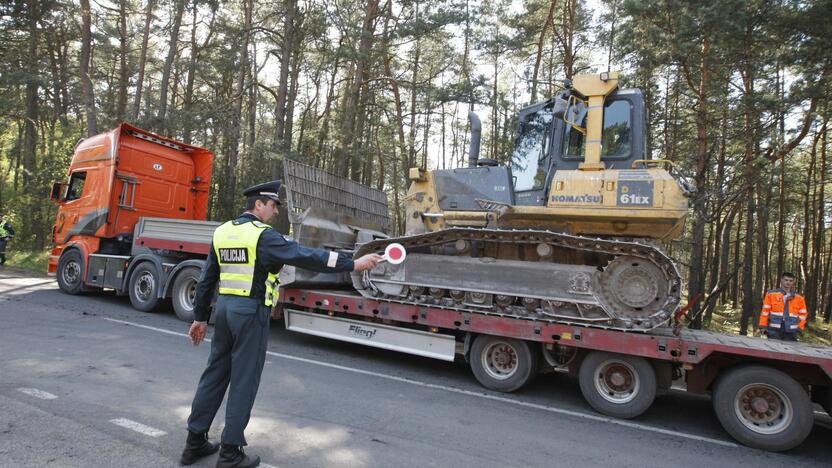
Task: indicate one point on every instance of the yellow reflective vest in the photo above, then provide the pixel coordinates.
(235, 246)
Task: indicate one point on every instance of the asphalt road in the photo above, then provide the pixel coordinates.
(89, 381)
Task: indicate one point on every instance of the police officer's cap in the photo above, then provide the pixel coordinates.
(267, 189)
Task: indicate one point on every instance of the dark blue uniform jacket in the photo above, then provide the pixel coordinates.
(273, 251)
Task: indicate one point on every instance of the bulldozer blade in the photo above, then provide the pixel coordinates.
(330, 212)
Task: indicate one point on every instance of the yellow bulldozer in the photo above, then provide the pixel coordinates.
(570, 230)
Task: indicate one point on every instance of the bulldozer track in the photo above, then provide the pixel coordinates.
(601, 305)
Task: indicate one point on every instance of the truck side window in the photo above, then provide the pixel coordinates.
(75, 187)
(531, 149)
(616, 137)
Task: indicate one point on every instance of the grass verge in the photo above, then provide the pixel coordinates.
(34, 261)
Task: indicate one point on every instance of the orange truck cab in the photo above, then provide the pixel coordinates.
(131, 216)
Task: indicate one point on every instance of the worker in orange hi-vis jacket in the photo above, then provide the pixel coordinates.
(784, 311)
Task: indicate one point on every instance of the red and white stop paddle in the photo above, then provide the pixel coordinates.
(394, 253)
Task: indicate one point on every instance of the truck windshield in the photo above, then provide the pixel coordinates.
(531, 150)
(616, 141)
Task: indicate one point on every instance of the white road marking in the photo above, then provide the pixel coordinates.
(266, 465)
(486, 396)
(138, 427)
(37, 393)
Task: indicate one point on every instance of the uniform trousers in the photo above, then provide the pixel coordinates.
(782, 335)
(2, 251)
(238, 352)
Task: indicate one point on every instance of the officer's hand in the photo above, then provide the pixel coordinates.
(197, 332)
(367, 262)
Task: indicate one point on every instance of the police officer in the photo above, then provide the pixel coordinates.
(245, 257)
(784, 312)
(6, 234)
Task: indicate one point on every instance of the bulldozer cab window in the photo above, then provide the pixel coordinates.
(531, 150)
(616, 138)
(75, 187)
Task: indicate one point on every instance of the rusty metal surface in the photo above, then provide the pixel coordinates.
(751, 343)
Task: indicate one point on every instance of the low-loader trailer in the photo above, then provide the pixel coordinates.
(763, 391)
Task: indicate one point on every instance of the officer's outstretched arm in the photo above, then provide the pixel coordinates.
(275, 250)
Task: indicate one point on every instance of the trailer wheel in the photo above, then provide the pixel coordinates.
(617, 385)
(144, 287)
(763, 408)
(503, 364)
(71, 273)
(183, 293)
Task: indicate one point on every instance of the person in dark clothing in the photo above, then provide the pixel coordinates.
(245, 258)
(6, 234)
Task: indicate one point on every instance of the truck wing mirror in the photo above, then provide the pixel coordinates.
(57, 191)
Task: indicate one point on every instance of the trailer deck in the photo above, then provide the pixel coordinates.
(689, 348)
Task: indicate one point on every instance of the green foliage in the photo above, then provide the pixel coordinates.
(32, 261)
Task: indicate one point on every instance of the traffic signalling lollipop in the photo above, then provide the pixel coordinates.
(394, 253)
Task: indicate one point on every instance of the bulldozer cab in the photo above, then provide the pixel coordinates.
(546, 143)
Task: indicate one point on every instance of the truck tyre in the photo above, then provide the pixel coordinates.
(763, 408)
(503, 364)
(616, 384)
(71, 273)
(183, 293)
(144, 287)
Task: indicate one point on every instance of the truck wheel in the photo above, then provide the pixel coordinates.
(184, 294)
(503, 364)
(144, 287)
(763, 408)
(617, 385)
(71, 273)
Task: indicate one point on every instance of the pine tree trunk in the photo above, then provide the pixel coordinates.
(124, 48)
(696, 277)
(279, 140)
(173, 44)
(330, 97)
(58, 92)
(550, 15)
(781, 221)
(411, 138)
(350, 133)
(86, 60)
(292, 96)
(187, 100)
(236, 117)
(815, 301)
(148, 18)
(808, 209)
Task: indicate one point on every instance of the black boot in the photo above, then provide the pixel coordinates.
(196, 447)
(232, 456)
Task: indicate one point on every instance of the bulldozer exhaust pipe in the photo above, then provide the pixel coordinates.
(476, 133)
